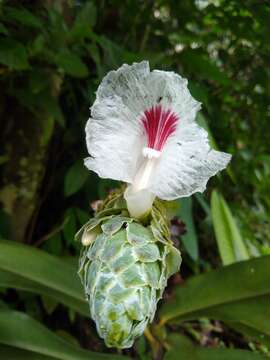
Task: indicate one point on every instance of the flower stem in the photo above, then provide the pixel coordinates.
(155, 346)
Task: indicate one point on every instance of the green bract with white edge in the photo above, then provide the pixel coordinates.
(125, 269)
(142, 131)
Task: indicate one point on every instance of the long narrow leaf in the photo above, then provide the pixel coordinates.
(238, 282)
(12, 353)
(230, 243)
(15, 281)
(182, 348)
(189, 239)
(40, 267)
(248, 316)
(21, 331)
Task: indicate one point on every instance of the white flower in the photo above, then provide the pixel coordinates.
(142, 131)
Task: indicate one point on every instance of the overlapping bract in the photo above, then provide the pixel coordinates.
(125, 270)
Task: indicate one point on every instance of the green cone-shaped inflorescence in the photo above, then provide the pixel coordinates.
(124, 268)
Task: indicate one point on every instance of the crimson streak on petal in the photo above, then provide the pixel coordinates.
(158, 125)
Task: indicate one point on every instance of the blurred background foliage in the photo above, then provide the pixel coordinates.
(53, 54)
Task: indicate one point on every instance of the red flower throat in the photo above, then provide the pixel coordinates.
(158, 125)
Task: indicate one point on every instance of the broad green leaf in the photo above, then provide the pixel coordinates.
(15, 281)
(200, 63)
(21, 331)
(71, 63)
(183, 348)
(189, 239)
(12, 353)
(75, 178)
(42, 268)
(250, 333)
(199, 92)
(23, 16)
(230, 243)
(248, 316)
(13, 54)
(252, 313)
(85, 20)
(241, 281)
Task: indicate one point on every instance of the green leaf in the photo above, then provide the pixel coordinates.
(230, 243)
(250, 333)
(250, 313)
(75, 178)
(70, 227)
(12, 353)
(199, 63)
(85, 20)
(23, 16)
(236, 293)
(199, 92)
(15, 281)
(44, 270)
(189, 239)
(21, 331)
(13, 54)
(71, 64)
(182, 347)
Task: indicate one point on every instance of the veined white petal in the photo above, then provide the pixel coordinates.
(113, 133)
(170, 90)
(186, 164)
(113, 140)
(128, 82)
(123, 127)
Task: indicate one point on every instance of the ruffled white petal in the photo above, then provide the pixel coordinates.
(113, 140)
(186, 164)
(113, 133)
(128, 83)
(115, 137)
(170, 90)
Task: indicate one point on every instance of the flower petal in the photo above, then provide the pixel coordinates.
(128, 82)
(113, 140)
(187, 163)
(113, 133)
(170, 90)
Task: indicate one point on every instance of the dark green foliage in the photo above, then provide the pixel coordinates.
(53, 55)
